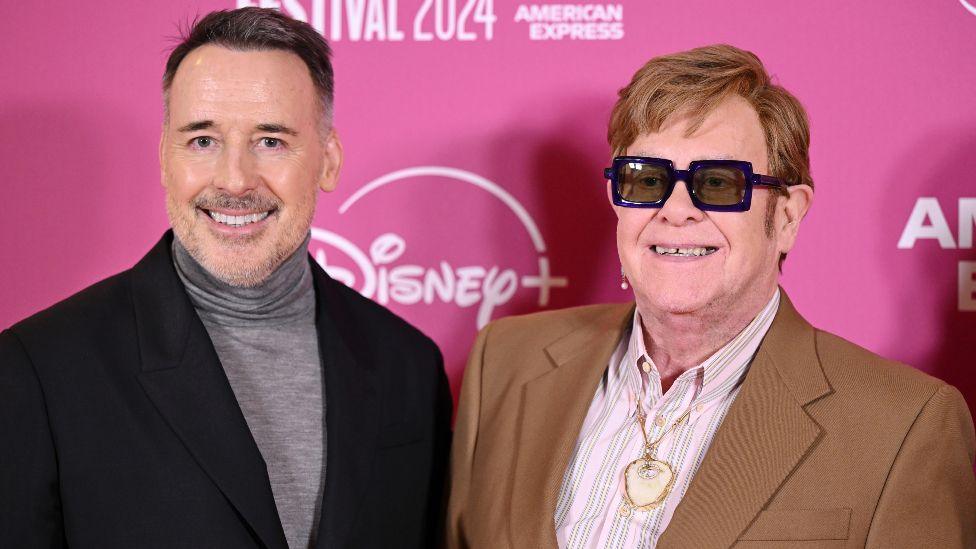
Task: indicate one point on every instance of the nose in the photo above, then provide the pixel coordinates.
(679, 209)
(235, 173)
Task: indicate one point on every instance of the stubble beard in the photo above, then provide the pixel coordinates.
(241, 267)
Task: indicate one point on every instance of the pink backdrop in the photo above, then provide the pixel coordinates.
(453, 143)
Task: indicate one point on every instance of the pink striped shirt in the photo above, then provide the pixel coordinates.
(590, 511)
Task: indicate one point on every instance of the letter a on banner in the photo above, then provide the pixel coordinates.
(926, 208)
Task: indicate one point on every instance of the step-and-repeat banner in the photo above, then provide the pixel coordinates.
(474, 134)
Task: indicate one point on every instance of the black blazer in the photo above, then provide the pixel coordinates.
(118, 427)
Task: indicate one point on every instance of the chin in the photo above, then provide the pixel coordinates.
(674, 302)
(237, 264)
(240, 274)
(683, 306)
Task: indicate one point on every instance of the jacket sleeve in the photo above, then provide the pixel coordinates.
(464, 444)
(30, 505)
(929, 499)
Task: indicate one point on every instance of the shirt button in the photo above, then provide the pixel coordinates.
(646, 367)
(699, 407)
(659, 421)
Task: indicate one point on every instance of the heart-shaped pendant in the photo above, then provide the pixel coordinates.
(647, 483)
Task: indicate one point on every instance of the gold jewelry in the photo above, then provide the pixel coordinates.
(648, 480)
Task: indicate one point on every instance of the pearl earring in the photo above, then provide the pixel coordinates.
(623, 279)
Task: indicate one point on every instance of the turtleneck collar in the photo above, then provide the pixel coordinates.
(287, 296)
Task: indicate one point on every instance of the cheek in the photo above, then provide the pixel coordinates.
(187, 179)
(757, 247)
(295, 189)
(287, 166)
(630, 224)
(745, 237)
(180, 190)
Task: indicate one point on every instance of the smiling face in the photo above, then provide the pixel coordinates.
(243, 155)
(681, 260)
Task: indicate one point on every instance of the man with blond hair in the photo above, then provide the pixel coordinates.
(707, 413)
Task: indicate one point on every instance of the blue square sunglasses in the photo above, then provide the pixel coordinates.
(714, 185)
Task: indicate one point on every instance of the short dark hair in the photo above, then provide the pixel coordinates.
(255, 29)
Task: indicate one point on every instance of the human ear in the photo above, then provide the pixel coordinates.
(798, 201)
(333, 162)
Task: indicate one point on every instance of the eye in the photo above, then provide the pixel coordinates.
(202, 142)
(271, 142)
(717, 182)
(650, 181)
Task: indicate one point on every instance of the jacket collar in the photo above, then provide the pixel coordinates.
(351, 411)
(764, 437)
(183, 377)
(551, 424)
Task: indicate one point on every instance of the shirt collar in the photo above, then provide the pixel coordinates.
(718, 374)
(287, 295)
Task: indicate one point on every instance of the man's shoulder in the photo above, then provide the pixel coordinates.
(91, 310)
(877, 381)
(100, 310)
(542, 328)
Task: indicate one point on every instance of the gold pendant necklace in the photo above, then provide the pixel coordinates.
(648, 480)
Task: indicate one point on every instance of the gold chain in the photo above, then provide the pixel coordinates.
(651, 447)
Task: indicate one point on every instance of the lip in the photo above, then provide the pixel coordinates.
(244, 230)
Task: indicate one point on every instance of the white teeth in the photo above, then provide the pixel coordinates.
(683, 252)
(238, 220)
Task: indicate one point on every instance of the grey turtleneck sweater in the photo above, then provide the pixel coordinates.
(266, 340)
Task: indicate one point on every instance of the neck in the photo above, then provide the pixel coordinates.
(287, 295)
(678, 342)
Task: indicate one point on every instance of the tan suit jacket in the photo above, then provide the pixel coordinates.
(826, 446)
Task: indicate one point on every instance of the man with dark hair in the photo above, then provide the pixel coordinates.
(225, 392)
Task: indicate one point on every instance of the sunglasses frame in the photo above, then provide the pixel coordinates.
(752, 179)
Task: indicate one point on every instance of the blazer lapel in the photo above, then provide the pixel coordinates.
(554, 406)
(761, 441)
(183, 377)
(350, 410)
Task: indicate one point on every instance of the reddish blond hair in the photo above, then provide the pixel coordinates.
(695, 82)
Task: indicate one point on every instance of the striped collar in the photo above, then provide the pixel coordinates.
(716, 376)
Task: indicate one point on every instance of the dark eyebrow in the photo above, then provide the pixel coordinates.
(276, 128)
(197, 126)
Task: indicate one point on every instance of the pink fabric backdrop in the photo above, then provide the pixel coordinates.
(479, 159)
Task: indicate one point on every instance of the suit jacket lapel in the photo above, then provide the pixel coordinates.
(761, 441)
(554, 407)
(183, 377)
(350, 409)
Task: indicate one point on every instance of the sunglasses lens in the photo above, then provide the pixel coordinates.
(643, 183)
(720, 185)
